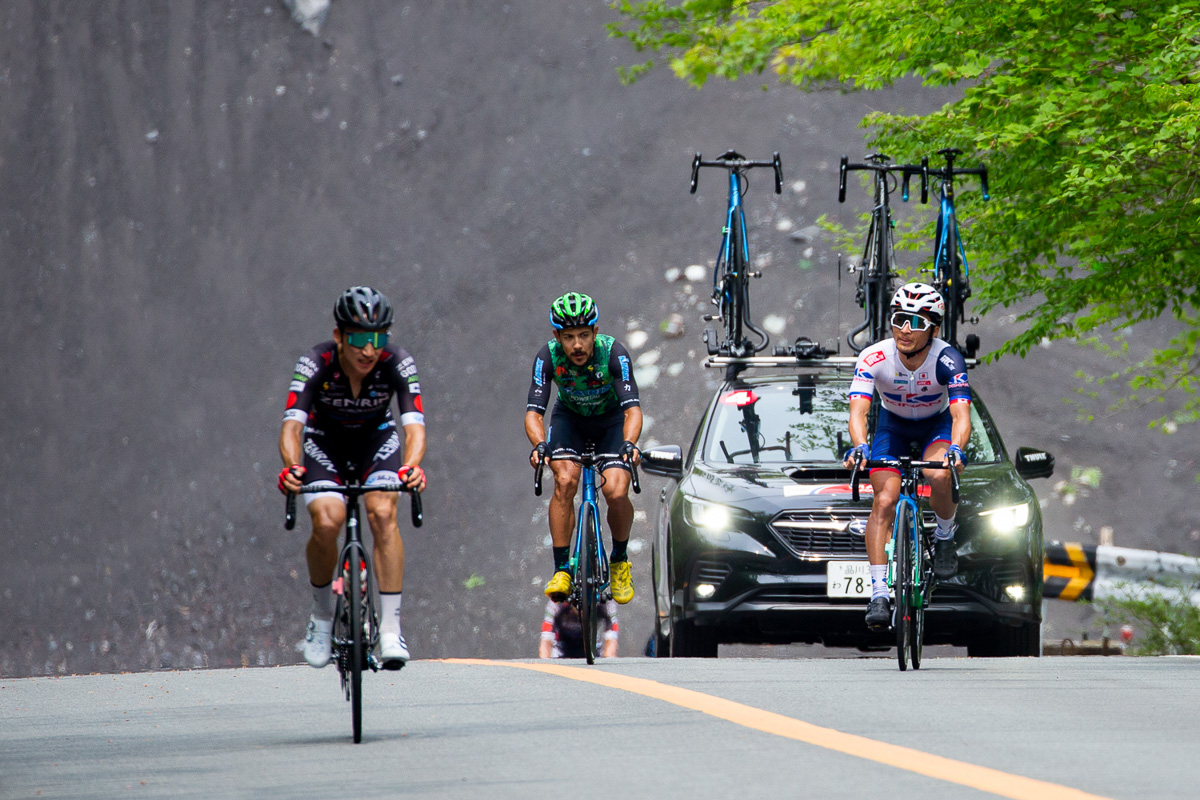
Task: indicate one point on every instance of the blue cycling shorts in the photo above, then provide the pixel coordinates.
(895, 436)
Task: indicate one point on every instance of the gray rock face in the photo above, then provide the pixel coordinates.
(157, 293)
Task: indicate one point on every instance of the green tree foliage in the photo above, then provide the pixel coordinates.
(1164, 619)
(1086, 113)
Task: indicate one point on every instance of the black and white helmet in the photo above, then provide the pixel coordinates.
(920, 298)
(363, 307)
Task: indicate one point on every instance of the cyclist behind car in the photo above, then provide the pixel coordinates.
(339, 414)
(924, 400)
(562, 631)
(597, 403)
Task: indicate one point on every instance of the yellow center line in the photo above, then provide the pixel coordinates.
(946, 769)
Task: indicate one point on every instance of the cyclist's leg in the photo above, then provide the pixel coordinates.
(615, 488)
(385, 462)
(328, 512)
(888, 441)
(563, 438)
(941, 496)
(941, 499)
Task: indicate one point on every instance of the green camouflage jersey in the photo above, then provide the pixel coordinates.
(602, 385)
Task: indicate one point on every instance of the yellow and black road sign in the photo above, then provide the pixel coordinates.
(1069, 571)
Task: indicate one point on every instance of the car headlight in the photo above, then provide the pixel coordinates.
(709, 516)
(1007, 519)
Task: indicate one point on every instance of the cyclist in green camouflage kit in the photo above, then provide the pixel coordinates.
(598, 403)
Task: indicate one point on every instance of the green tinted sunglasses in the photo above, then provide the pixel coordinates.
(361, 338)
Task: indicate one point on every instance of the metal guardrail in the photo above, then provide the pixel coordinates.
(1074, 571)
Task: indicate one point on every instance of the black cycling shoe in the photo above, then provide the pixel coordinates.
(879, 614)
(945, 559)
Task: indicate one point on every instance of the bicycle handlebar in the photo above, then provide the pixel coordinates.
(537, 473)
(949, 171)
(902, 464)
(417, 510)
(879, 164)
(736, 162)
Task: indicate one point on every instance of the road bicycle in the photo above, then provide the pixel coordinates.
(910, 552)
(590, 582)
(951, 274)
(356, 618)
(876, 273)
(732, 273)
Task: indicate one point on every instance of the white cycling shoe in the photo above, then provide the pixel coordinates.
(393, 651)
(318, 642)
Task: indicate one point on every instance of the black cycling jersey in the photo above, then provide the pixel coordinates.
(321, 398)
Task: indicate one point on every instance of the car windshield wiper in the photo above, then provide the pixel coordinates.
(754, 452)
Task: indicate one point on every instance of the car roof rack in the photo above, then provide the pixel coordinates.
(804, 354)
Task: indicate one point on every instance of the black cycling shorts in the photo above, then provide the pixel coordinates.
(570, 433)
(328, 457)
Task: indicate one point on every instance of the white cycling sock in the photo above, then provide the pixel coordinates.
(879, 581)
(945, 528)
(322, 605)
(389, 612)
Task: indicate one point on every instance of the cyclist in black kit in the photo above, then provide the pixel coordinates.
(339, 413)
(598, 403)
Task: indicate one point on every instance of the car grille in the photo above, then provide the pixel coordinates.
(824, 533)
(820, 533)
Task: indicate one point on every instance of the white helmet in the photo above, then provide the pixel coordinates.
(920, 298)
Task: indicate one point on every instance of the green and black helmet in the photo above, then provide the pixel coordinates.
(573, 310)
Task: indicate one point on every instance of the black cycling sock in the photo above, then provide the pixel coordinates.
(562, 558)
(618, 551)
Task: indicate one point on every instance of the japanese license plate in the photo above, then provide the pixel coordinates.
(848, 579)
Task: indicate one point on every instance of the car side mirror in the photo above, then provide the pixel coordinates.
(666, 461)
(1033, 463)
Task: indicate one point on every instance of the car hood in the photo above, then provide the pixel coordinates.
(766, 489)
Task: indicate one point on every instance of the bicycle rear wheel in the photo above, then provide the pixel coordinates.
(352, 580)
(920, 592)
(735, 280)
(903, 587)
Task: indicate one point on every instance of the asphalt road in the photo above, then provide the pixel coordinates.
(1074, 728)
(185, 187)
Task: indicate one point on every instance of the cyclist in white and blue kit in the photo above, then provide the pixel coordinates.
(924, 399)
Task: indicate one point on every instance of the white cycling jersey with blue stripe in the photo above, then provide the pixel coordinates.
(912, 394)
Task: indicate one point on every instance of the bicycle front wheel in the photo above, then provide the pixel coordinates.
(919, 598)
(903, 586)
(352, 583)
(589, 587)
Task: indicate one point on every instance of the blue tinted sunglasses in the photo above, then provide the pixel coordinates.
(915, 322)
(361, 338)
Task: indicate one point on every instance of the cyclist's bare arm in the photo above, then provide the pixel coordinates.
(960, 427)
(633, 428)
(291, 449)
(859, 406)
(414, 451)
(535, 429)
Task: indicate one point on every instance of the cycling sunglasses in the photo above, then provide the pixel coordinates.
(361, 338)
(915, 322)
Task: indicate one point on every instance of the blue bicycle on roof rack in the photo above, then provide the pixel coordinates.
(732, 273)
(951, 274)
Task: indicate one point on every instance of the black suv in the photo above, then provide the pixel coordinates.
(759, 541)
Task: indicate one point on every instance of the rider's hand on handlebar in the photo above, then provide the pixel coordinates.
(854, 455)
(538, 455)
(289, 479)
(630, 453)
(413, 477)
(960, 458)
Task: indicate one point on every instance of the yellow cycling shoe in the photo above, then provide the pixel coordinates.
(621, 582)
(559, 586)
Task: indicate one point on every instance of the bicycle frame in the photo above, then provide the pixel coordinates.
(950, 253)
(587, 481)
(731, 272)
(875, 272)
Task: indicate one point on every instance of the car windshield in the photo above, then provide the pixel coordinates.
(785, 423)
